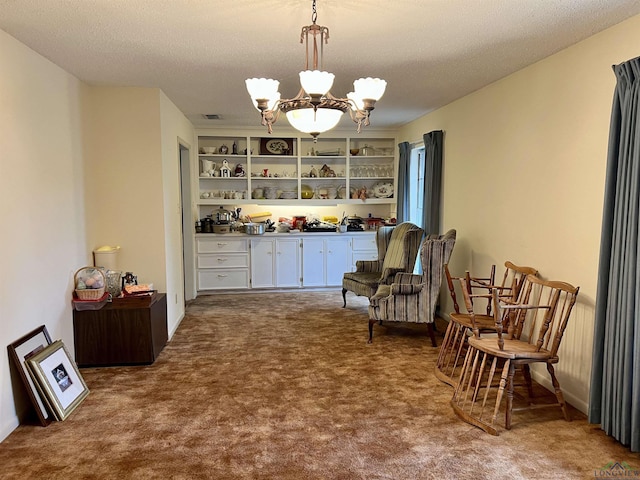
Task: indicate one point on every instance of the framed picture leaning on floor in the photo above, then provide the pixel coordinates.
(58, 379)
(21, 350)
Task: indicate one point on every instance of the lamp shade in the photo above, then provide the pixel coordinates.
(263, 89)
(359, 104)
(369, 88)
(308, 120)
(315, 82)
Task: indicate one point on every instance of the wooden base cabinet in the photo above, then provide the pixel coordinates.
(128, 331)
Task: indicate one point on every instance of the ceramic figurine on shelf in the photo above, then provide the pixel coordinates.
(225, 171)
(223, 149)
(313, 173)
(239, 171)
(234, 148)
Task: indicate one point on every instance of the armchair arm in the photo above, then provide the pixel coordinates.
(368, 266)
(406, 288)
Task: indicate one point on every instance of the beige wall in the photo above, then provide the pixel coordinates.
(124, 197)
(80, 167)
(524, 168)
(133, 185)
(42, 214)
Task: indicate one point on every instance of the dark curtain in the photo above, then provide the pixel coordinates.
(402, 210)
(615, 377)
(432, 181)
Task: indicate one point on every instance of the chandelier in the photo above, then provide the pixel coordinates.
(314, 109)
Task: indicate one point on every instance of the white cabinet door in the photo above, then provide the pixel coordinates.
(313, 262)
(337, 260)
(325, 260)
(262, 263)
(287, 262)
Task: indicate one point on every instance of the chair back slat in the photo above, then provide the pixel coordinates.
(539, 316)
(513, 279)
(452, 289)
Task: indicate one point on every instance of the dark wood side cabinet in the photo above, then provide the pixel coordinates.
(128, 331)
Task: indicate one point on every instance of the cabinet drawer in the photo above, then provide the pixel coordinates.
(218, 279)
(221, 245)
(367, 242)
(226, 260)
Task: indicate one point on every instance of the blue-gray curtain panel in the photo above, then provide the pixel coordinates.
(432, 181)
(615, 378)
(402, 194)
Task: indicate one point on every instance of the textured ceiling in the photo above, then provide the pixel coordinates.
(199, 52)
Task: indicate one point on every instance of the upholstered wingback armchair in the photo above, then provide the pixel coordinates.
(397, 251)
(413, 298)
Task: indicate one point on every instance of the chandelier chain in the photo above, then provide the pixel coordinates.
(314, 15)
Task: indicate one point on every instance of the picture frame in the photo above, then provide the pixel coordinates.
(20, 351)
(58, 379)
(276, 146)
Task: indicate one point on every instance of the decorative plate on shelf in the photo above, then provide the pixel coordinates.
(383, 190)
(276, 146)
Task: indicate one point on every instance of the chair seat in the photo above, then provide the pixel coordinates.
(484, 322)
(513, 349)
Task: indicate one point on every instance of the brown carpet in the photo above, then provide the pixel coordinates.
(284, 386)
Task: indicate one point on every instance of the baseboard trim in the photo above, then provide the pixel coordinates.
(175, 327)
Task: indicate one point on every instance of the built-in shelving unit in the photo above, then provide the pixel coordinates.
(277, 170)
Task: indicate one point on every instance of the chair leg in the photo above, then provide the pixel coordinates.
(432, 334)
(559, 396)
(344, 297)
(371, 322)
(526, 373)
(509, 408)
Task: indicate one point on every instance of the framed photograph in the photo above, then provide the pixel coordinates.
(276, 146)
(58, 379)
(21, 350)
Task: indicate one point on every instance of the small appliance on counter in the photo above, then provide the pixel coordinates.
(354, 224)
(319, 227)
(223, 220)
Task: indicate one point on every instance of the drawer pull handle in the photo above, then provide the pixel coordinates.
(223, 259)
(222, 276)
(222, 244)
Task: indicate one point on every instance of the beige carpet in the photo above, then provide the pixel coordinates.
(284, 386)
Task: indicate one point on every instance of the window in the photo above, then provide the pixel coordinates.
(415, 189)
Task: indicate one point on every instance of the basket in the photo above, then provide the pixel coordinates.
(91, 277)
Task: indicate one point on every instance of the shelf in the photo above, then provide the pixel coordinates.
(290, 168)
(298, 202)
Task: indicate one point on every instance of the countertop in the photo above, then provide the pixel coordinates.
(276, 234)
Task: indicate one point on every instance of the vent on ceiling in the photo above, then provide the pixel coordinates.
(212, 116)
